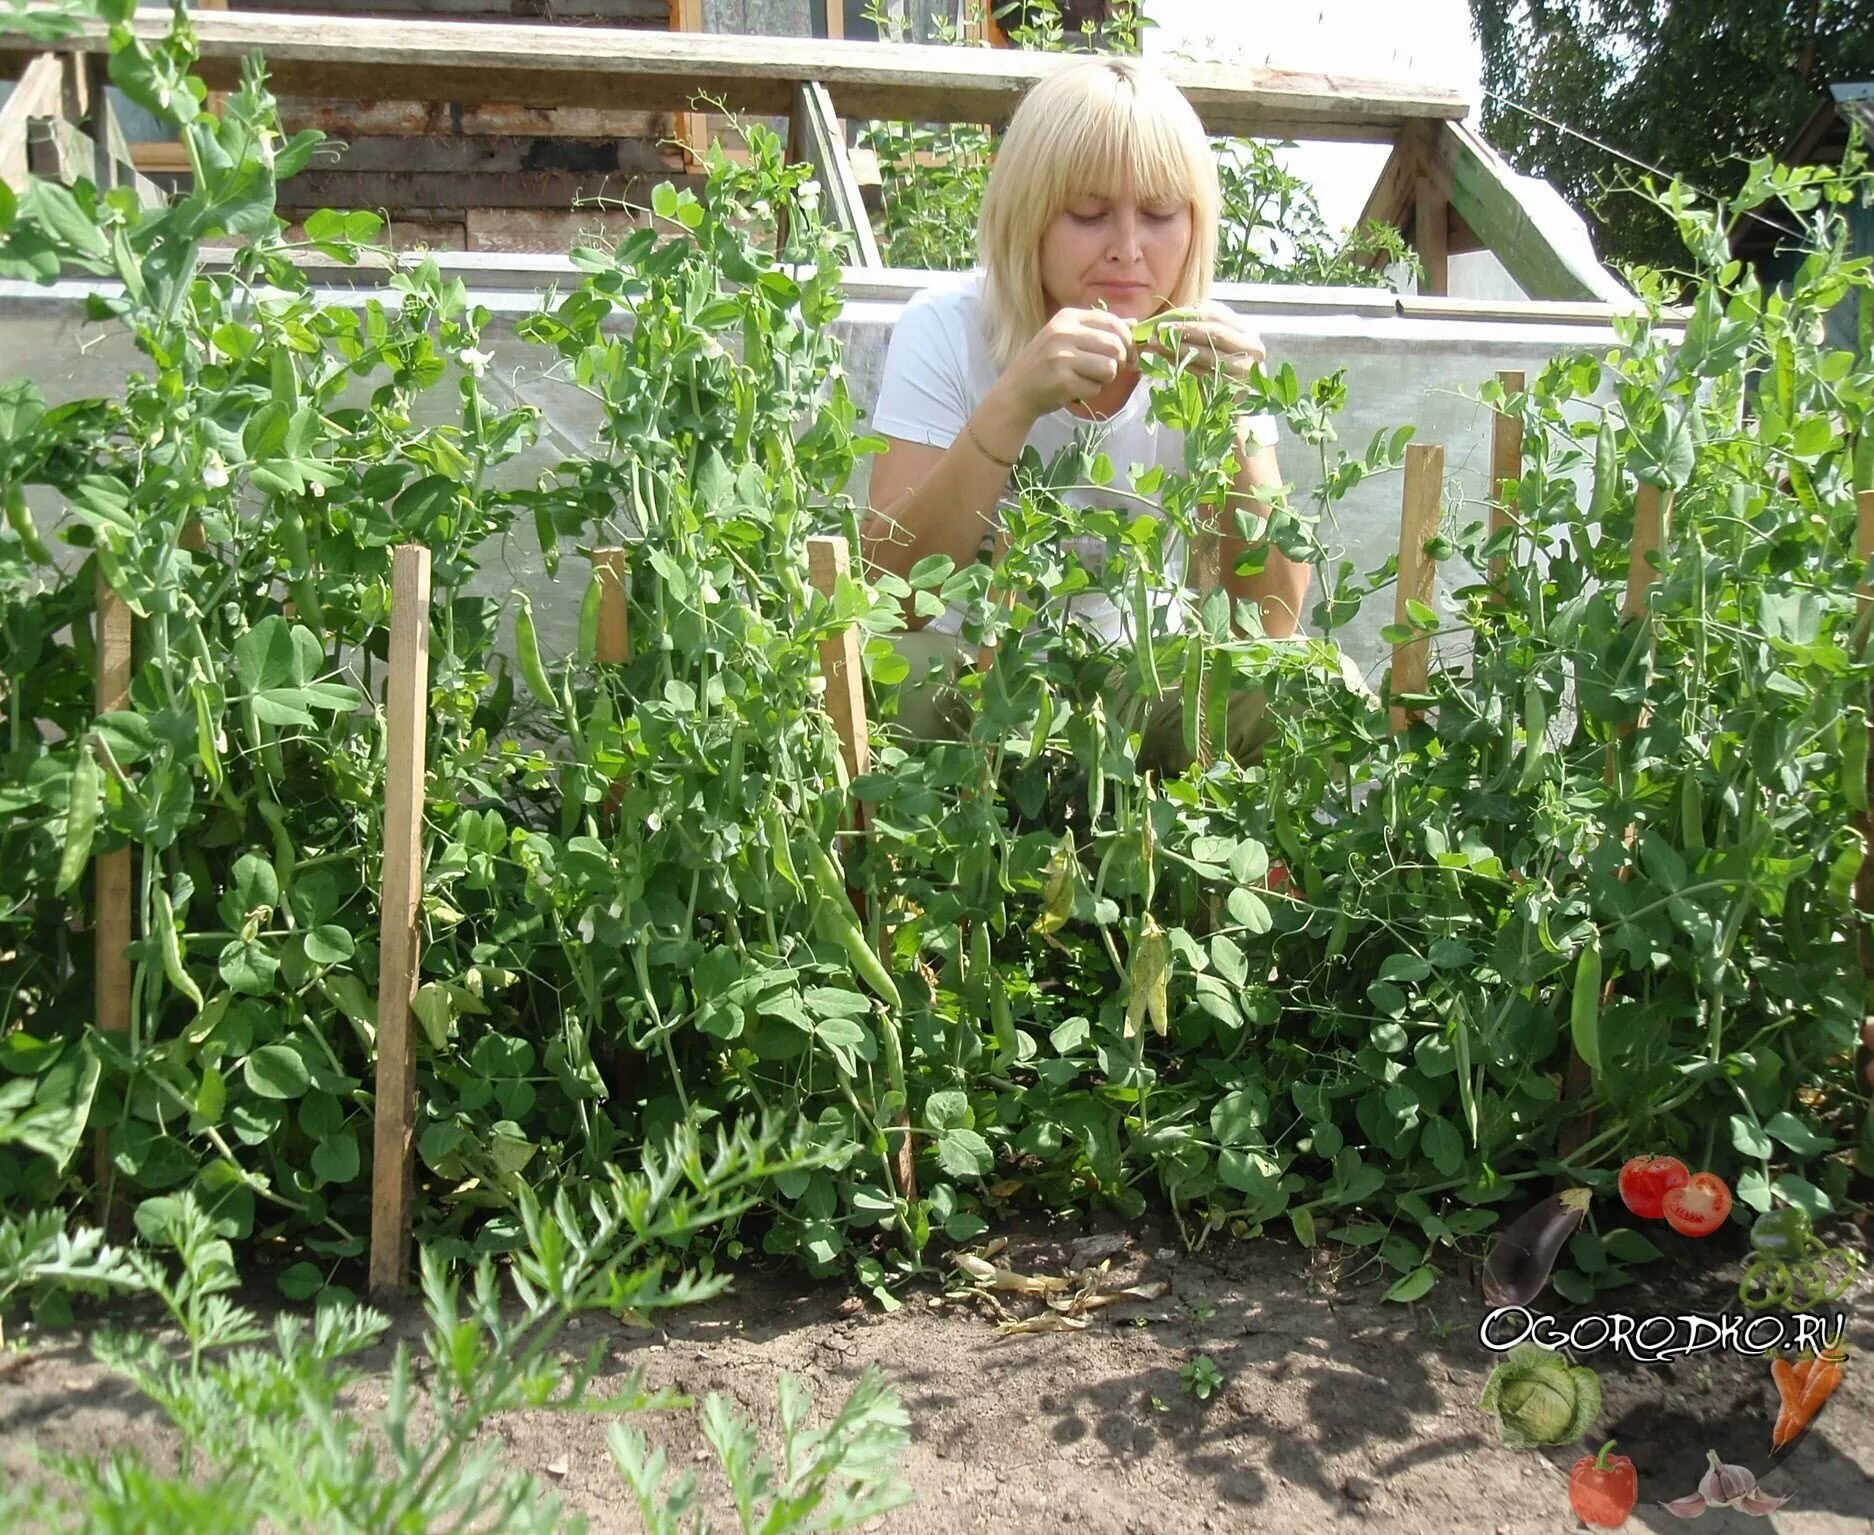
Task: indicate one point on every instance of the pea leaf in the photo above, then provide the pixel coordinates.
(276, 1071)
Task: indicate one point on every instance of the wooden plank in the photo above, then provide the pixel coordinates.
(35, 94)
(1431, 235)
(1491, 199)
(536, 13)
(57, 150)
(341, 188)
(819, 140)
(1390, 201)
(827, 560)
(1418, 572)
(691, 128)
(348, 56)
(1506, 473)
(614, 639)
(1649, 526)
(111, 152)
(393, 1166)
(111, 926)
(1864, 821)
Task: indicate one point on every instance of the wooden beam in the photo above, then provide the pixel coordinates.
(352, 56)
(1390, 201)
(1431, 235)
(1418, 573)
(1492, 201)
(35, 94)
(819, 140)
(406, 708)
(691, 128)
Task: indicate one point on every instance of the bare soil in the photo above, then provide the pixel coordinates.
(1336, 1410)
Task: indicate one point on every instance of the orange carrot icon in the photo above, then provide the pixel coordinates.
(1803, 1387)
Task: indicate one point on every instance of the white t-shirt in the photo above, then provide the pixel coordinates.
(938, 370)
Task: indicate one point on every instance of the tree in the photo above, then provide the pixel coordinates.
(1694, 87)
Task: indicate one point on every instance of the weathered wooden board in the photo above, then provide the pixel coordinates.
(470, 61)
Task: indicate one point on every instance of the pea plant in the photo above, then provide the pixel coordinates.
(1354, 984)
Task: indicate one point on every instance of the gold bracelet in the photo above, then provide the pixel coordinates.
(970, 432)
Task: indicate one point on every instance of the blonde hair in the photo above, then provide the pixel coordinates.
(1082, 128)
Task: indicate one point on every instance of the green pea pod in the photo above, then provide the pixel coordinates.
(1002, 1019)
(1584, 1014)
(782, 853)
(1691, 814)
(527, 654)
(1854, 759)
(1142, 617)
(1535, 733)
(589, 622)
(173, 967)
(81, 821)
(1044, 720)
(1606, 473)
(981, 962)
(1193, 690)
(205, 735)
(1096, 773)
(20, 519)
(835, 922)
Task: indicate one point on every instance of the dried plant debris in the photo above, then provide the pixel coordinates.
(1070, 1299)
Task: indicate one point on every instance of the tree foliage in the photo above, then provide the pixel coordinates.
(1694, 89)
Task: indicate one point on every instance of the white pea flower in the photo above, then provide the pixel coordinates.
(713, 348)
(214, 472)
(809, 194)
(475, 361)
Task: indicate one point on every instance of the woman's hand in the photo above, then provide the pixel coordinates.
(1213, 334)
(1073, 357)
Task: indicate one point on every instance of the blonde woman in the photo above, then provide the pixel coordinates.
(1101, 210)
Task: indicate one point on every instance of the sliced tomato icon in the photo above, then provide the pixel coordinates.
(1645, 1182)
(1699, 1207)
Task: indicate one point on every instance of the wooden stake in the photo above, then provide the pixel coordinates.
(1864, 878)
(613, 645)
(406, 707)
(111, 919)
(1506, 473)
(1649, 533)
(1649, 525)
(827, 560)
(614, 641)
(1418, 525)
